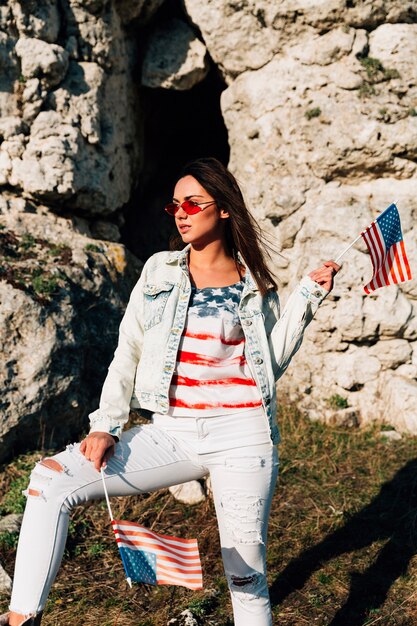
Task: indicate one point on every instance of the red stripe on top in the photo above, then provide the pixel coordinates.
(205, 336)
(201, 359)
(192, 382)
(156, 546)
(176, 402)
(131, 528)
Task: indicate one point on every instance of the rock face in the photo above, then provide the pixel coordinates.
(62, 295)
(323, 137)
(320, 106)
(189, 493)
(174, 58)
(76, 101)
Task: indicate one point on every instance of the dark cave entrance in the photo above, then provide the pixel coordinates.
(178, 126)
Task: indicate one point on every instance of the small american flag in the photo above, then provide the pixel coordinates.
(386, 246)
(158, 559)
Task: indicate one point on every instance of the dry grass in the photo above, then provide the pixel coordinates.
(341, 543)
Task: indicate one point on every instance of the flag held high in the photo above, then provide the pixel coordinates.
(385, 243)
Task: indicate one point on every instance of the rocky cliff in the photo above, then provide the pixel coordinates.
(314, 105)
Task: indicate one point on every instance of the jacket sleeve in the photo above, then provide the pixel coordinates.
(285, 332)
(114, 406)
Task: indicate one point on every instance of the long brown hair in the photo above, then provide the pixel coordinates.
(243, 233)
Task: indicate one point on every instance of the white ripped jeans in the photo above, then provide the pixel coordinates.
(234, 449)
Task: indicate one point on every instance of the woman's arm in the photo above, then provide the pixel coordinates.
(114, 406)
(287, 332)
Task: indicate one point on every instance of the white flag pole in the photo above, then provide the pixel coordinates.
(128, 579)
(348, 248)
(106, 494)
(359, 236)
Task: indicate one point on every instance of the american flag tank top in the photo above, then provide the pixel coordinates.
(212, 376)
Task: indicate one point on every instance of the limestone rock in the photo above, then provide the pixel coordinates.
(323, 136)
(11, 523)
(174, 58)
(80, 107)
(5, 581)
(392, 352)
(395, 45)
(400, 396)
(37, 18)
(390, 435)
(9, 126)
(43, 60)
(78, 142)
(186, 618)
(9, 74)
(342, 418)
(188, 493)
(62, 295)
(327, 48)
(33, 97)
(138, 10)
(237, 34)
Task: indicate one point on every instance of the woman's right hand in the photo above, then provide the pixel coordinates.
(98, 447)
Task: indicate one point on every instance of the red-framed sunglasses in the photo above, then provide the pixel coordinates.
(189, 206)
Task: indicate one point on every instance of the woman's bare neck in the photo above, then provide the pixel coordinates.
(213, 267)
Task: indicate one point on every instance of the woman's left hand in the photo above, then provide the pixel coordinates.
(324, 274)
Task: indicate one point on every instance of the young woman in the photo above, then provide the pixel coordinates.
(201, 345)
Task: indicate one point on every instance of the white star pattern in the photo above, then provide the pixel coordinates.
(141, 565)
(389, 223)
(217, 301)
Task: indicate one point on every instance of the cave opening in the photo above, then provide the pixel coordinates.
(178, 126)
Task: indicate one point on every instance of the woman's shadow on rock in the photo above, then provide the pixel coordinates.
(391, 516)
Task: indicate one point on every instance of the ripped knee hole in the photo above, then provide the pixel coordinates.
(41, 477)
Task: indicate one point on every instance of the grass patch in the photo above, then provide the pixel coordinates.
(9, 540)
(375, 73)
(342, 539)
(30, 263)
(337, 402)
(92, 247)
(375, 70)
(366, 90)
(312, 113)
(45, 285)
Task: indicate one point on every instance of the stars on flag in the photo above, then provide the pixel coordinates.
(158, 559)
(385, 243)
(216, 301)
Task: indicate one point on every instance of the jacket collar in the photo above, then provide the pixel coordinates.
(180, 257)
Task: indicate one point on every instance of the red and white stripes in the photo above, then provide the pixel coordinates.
(390, 266)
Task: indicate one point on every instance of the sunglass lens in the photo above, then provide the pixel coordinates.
(190, 207)
(171, 208)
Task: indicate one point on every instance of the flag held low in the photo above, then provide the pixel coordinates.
(158, 559)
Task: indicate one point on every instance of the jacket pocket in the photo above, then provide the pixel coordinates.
(155, 299)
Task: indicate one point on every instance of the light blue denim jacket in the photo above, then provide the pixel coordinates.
(140, 373)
